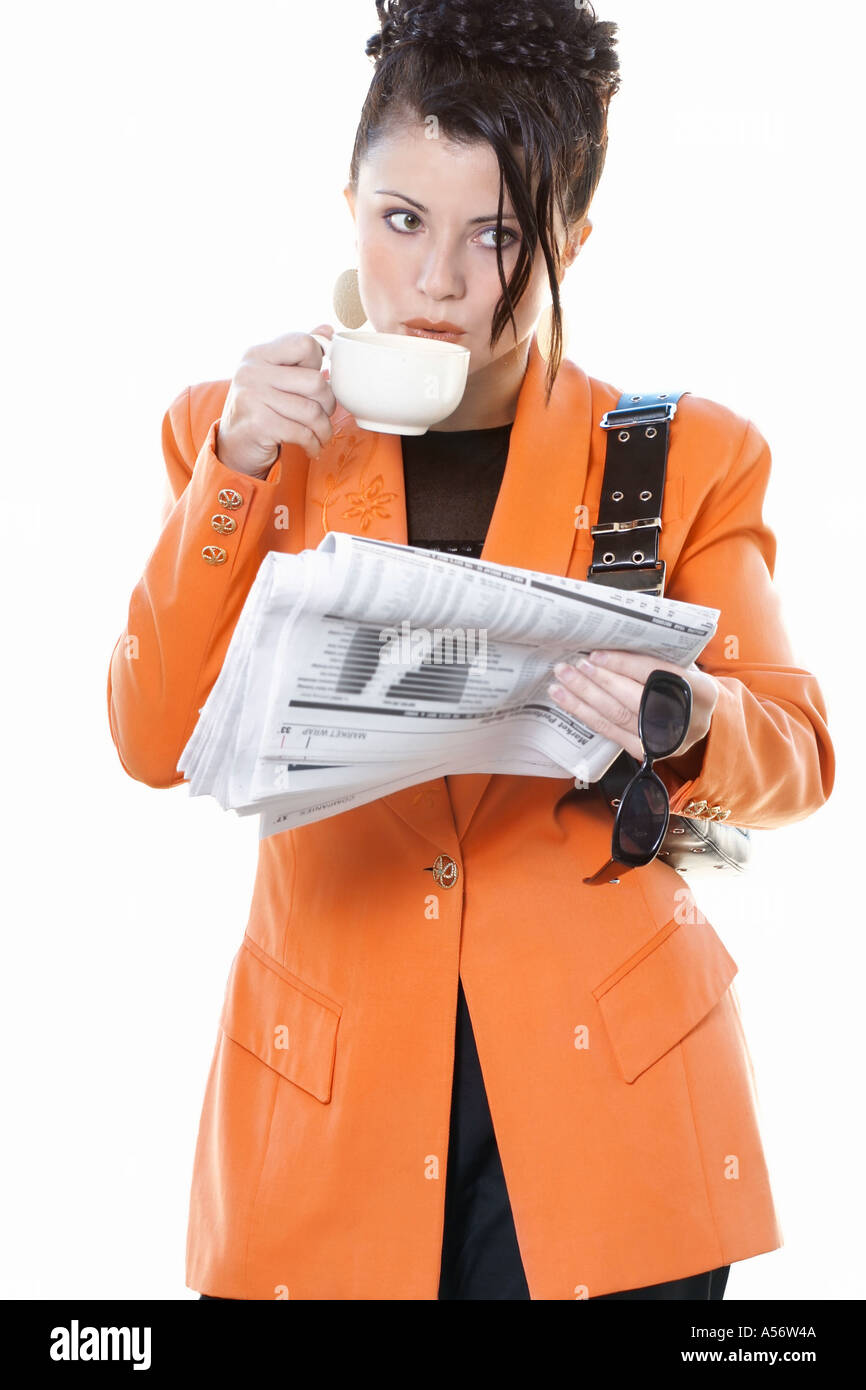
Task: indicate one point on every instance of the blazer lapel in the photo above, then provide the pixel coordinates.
(356, 485)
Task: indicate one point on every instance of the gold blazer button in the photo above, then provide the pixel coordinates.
(444, 870)
(227, 497)
(214, 554)
(224, 524)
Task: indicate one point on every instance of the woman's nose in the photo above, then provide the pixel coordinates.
(440, 277)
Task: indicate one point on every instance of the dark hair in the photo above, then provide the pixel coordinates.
(538, 74)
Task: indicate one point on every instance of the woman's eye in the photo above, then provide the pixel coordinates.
(506, 232)
(389, 215)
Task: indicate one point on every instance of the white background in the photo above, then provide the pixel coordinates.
(173, 178)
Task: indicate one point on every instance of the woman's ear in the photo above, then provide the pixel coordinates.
(577, 236)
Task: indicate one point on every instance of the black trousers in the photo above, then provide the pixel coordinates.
(480, 1254)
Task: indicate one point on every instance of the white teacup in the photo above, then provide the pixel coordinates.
(392, 383)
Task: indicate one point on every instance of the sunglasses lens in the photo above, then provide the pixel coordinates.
(643, 816)
(665, 720)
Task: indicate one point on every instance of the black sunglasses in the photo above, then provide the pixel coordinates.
(644, 810)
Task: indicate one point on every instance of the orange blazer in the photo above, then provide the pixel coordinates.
(608, 1029)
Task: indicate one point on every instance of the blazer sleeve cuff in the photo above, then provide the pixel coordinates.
(743, 736)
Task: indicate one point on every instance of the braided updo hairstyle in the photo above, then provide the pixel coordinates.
(535, 74)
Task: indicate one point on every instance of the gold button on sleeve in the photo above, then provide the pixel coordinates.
(227, 497)
(214, 554)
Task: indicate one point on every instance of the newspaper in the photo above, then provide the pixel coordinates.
(365, 666)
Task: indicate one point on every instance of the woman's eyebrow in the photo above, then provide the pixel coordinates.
(392, 193)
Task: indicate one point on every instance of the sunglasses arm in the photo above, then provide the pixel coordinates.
(612, 872)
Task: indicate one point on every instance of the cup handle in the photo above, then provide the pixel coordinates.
(324, 343)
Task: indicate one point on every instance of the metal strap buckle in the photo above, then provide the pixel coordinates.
(625, 525)
(651, 577)
(638, 415)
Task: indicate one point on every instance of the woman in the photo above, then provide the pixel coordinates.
(446, 1067)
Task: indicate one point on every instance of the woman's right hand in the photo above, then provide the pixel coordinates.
(277, 395)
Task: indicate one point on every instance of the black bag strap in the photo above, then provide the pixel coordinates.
(625, 552)
(626, 536)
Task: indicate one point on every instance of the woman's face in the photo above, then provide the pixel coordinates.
(425, 224)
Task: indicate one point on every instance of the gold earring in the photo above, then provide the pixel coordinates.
(544, 331)
(346, 300)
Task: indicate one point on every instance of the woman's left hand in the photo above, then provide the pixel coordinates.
(605, 694)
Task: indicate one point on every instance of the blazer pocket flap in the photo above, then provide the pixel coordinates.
(663, 991)
(283, 1021)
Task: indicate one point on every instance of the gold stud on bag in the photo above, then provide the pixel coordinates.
(626, 556)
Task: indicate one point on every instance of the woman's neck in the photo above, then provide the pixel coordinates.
(490, 398)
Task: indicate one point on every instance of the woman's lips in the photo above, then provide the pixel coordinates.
(431, 333)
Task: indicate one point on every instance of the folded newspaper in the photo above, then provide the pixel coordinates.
(365, 666)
